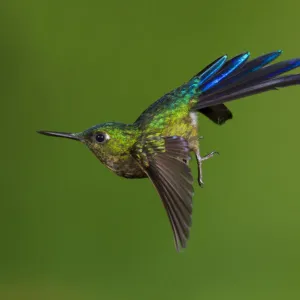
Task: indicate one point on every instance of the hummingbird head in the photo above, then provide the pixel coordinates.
(110, 142)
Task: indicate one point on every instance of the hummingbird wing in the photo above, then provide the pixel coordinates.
(228, 79)
(219, 114)
(164, 159)
(210, 75)
(238, 78)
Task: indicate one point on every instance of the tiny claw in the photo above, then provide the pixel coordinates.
(201, 183)
(201, 137)
(209, 155)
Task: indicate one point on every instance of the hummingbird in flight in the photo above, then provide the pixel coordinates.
(159, 143)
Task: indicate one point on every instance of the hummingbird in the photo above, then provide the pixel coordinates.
(158, 145)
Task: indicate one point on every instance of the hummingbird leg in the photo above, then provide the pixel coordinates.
(200, 159)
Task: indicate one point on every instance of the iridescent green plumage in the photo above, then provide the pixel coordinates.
(158, 144)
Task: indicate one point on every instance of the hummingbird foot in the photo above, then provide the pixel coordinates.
(209, 155)
(201, 159)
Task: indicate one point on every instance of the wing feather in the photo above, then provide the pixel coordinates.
(168, 170)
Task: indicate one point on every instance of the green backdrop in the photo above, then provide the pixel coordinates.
(70, 229)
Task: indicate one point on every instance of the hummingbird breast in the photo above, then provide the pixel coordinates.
(124, 166)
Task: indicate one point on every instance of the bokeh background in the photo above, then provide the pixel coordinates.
(69, 228)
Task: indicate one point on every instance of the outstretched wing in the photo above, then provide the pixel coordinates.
(165, 162)
(226, 80)
(219, 114)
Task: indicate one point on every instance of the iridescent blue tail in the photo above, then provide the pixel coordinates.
(224, 81)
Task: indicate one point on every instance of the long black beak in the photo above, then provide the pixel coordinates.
(66, 135)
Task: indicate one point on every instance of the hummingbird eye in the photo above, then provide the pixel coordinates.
(101, 137)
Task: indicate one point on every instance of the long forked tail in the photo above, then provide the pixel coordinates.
(224, 81)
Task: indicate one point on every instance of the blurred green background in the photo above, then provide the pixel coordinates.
(70, 229)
